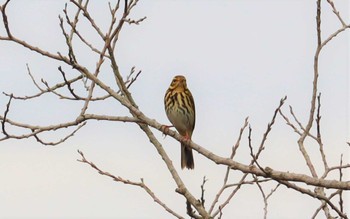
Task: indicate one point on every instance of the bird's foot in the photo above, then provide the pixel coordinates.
(186, 139)
(165, 129)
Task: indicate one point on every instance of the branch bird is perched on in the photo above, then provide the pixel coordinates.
(180, 109)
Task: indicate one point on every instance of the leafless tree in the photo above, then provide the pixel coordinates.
(315, 184)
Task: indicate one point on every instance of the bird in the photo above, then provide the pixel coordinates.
(180, 110)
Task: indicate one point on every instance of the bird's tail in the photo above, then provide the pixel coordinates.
(186, 157)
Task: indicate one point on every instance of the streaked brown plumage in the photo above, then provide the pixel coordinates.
(180, 109)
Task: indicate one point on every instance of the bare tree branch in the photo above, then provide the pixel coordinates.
(4, 118)
(324, 204)
(129, 182)
(233, 153)
(137, 22)
(71, 90)
(61, 140)
(92, 81)
(316, 194)
(265, 197)
(83, 8)
(319, 137)
(202, 191)
(4, 18)
(341, 202)
(331, 3)
(35, 129)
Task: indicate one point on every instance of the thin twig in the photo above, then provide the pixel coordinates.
(237, 144)
(4, 119)
(5, 19)
(318, 23)
(71, 54)
(313, 195)
(336, 12)
(319, 137)
(74, 30)
(265, 197)
(262, 144)
(288, 122)
(202, 191)
(233, 153)
(137, 22)
(130, 80)
(88, 17)
(71, 90)
(190, 212)
(269, 127)
(61, 140)
(341, 202)
(324, 203)
(227, 201)
(297, 121)
(129, 182)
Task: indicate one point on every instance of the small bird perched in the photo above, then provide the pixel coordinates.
(180, 109)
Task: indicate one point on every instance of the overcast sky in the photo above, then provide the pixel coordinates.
(239, 57)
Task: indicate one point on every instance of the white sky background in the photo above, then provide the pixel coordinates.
(240, 58)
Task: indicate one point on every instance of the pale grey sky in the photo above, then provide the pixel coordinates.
(240, 58)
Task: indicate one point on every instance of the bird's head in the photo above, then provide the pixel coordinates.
(178, 83)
